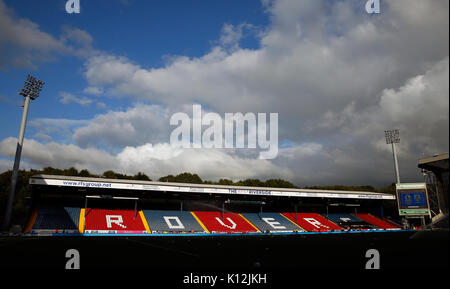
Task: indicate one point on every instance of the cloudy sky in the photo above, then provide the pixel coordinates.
(337, 77)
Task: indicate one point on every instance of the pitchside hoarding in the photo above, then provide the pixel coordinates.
(412, 199)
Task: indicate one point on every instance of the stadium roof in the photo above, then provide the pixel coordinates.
(437, 161)
(82, 182)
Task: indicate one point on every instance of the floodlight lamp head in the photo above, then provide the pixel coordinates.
(32, 87)
(30, 78)
(392, 136)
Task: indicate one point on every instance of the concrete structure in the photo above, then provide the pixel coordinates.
(438, 165)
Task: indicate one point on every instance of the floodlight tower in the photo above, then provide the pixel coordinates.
(31, 90)
(393, 137)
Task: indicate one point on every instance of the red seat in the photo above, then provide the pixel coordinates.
(231, 223)
(118, 221)
(312, 222)
(375, 221)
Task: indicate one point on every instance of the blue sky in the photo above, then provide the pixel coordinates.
(337, 77)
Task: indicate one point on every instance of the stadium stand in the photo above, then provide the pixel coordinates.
(377, 222)
(271, 222)
(393, 222)
(74, 214)
(114, 221)
(56, 219)
(348, 221)
(172, 221)
(231, 222)
(312, 222)
(110, 207)
(94, 220)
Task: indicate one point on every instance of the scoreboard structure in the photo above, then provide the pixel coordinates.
(412, 199)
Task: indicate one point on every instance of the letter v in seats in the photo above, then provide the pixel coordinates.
(233, 224)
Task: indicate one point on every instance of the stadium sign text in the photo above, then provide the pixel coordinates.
(212, 137)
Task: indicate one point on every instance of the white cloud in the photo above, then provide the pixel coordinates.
(77, 36)
(419, 109)
(7, 165)
(143, 123)
(59, 155)
(100, 105)
(231, 35)
(93, 90)
(103, 70)
(23, 44)
(25, 36)
(67, 98)
(155, 160)
(133, 127)
(210, 164)
(60, 128)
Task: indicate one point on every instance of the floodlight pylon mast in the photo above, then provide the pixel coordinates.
(30, 91)
(397, 174)
(393, 137)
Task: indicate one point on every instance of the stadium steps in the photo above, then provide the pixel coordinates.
(160, 221)
(349, 221)
(113, 221)
(74, 214)
(271, 222)
(230, 223)
(376, 221)
(393, 222)
(312, 222)
(56, 219)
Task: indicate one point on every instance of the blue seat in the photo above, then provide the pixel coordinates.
(272, 222)
(171, 221)
(57, 218)
(348, 220)
(74, 214)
